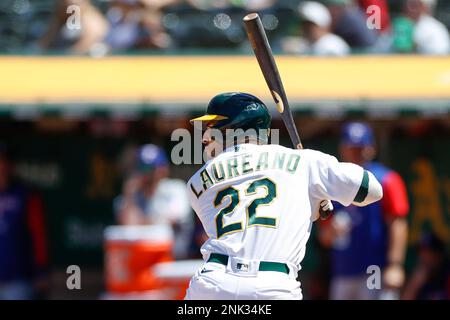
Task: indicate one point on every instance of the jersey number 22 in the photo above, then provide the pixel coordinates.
(252, 219)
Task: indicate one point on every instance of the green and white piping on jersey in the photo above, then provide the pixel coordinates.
(363, 188)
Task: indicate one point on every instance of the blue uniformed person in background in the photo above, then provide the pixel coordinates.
(23, 246)
(375, 235)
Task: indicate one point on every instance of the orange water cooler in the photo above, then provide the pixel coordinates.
(130, 254)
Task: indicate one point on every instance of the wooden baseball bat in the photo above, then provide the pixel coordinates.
(266, 61)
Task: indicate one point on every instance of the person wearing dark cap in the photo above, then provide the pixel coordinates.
(257, 202)
(350, 23)
(375, 235)
(150, 197)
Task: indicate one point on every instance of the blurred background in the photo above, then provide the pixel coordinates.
(91, 91)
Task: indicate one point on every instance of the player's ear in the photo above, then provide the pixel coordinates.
(369, 153)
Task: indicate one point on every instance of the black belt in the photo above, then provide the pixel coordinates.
(263, 265)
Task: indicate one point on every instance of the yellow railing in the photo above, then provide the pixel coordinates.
(196, 78)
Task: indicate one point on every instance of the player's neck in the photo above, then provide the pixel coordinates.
(245, 140)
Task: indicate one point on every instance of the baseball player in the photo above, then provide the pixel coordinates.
(375, 235)
(257, 203)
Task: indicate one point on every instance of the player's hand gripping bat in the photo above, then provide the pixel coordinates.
(266, 61)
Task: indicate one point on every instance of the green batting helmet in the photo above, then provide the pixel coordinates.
(236, 110)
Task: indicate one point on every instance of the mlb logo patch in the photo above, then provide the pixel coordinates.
(242, 267)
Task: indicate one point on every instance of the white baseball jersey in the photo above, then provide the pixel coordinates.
(258, 202)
